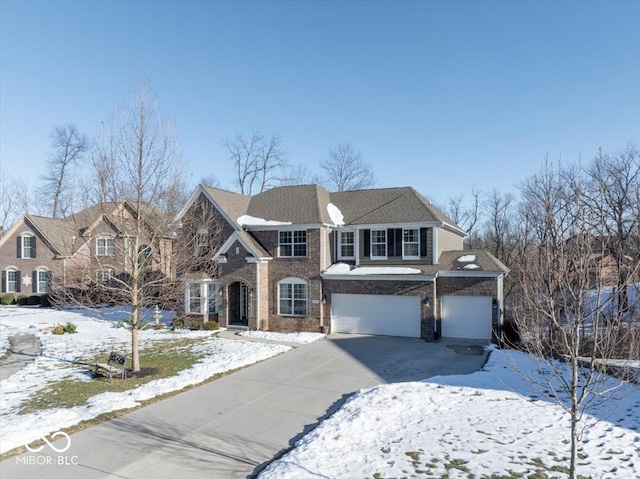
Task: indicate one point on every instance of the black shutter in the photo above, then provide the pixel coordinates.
(391, 243)
(49, 280)
(398, 252)
(34, 281)
(18, 281)
(4, 281)
(367, 243)
(19, 247)
(423, 242)
(33, 246)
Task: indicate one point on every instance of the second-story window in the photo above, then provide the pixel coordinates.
(27, 246)
(347, 244)
(106, 247)
(379, 244)
(293, 243)
(411, 243)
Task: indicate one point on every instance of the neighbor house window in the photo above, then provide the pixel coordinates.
(27, 247)
(11, 281)
(379, 244)
(293, 243)
(106, 247)
(411, 244)
(202, 297)
(292, 295)
(347, 244)
(43, 281)
(104, 276)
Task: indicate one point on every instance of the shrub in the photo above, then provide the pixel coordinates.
(7, 299)
(510, 333)
(177, 324)
(21, 300)
(194, 325)
(158, 326)
(211, 326)
(70, 327)
(33, 300)
(45, 301)
(58, 329)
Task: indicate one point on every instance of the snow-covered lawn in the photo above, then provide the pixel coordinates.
(96, 335)
(301, 338)
(489, 422)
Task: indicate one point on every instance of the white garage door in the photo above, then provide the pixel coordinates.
(466, 317)
(375, 314)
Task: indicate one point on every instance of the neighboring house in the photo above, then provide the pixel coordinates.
(379, 261)
(91, 245)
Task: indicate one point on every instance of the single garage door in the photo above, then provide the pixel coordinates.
(375, 314)
(467, 317)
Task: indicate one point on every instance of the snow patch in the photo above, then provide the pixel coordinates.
(301, 338)
(467, 258)
(246, 220)
(345, 269)
(471, 266)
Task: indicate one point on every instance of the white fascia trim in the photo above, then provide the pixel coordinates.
(470, 274)
(454, 229)
(192, 199)
(253, 259)
(294, 227)
(227, 244)
(379, 277)
(384, 226)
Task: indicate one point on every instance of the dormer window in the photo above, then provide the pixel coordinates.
(411, 243)
(293, 243)
(378, 244)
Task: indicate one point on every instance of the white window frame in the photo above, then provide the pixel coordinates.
(405, 243)
(105, 250)
(30, 249)
(43, 282)
(292, 299)
(292, 243)
(376, 243)
(14, 282)
(104, 276)
(341, 243)
(209, 296)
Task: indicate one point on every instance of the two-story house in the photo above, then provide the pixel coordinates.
(89, 246)
(380, 261)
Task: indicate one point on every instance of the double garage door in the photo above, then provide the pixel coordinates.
(375, 314)
(462, 316)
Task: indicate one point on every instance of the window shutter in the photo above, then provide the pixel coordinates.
(367, 243)
(19, 247)
(49, 279)
(34, 281)
(423, 242)
(391, 243)
(4, 281)
(33, 246)
(398, 252)
(18, 281)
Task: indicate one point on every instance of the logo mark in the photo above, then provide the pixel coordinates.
(48, 442)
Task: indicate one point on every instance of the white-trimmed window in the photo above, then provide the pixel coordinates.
(293, 243)
(27, 245)
(202, 297)
(104, 276)
(105, 246)
(11, 281)
(43, 281)
(292, 297)
(410, 243)
(378, 244)
(347, 245)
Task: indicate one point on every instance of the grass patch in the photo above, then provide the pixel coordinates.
(159, 361)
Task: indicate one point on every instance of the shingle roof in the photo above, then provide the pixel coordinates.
(469, 261)
(234, 205)
(302, 204)
(387, 205)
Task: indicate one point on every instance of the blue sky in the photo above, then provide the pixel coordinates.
(442, 96)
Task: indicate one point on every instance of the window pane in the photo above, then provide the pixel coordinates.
(12, 278)
(286, 291)
(285, 306)
(300, 307)
(213, 298)
(285, 237)
(194, 298)
(43, 281)
(300, 250)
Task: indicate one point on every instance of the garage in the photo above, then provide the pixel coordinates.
(376, 314)
(467, 317)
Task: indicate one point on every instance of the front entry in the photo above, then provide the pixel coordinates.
(238, 304)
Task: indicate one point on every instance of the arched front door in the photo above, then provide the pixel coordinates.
(238, 304)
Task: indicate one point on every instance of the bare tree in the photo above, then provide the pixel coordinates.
(346, 170)
(137, 173)
(466, 214)
(298, 174)
(562, 305)
(210, 180)
(57, 188)
(14, 201)
(257, 159)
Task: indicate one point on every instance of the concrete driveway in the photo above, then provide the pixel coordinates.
(232, 427)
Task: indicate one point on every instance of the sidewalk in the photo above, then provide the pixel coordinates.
(25, 347)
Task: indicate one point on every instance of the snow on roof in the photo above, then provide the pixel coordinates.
(335, 214)
(471, 266)
(467, 258)
(345, 269)
(246, 220)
